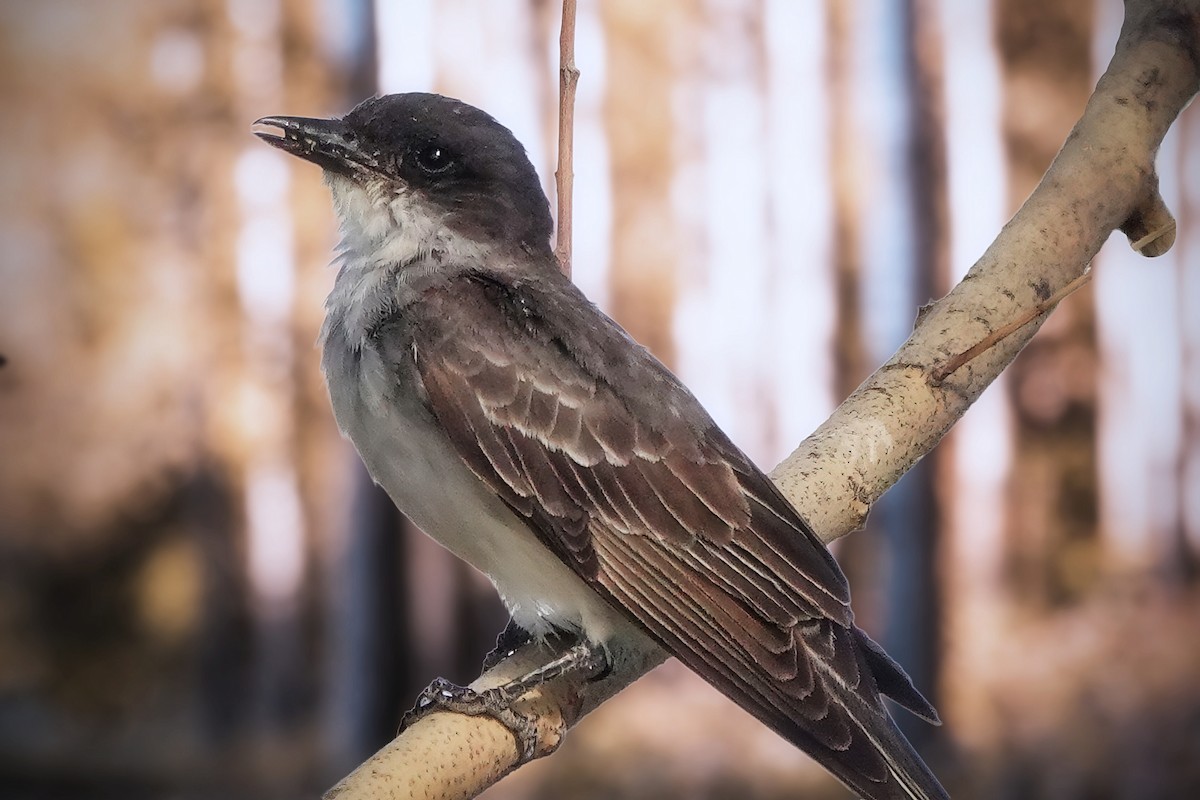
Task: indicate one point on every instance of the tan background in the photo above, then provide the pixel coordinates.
(202, 596)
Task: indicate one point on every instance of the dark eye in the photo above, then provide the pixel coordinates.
(434, 159)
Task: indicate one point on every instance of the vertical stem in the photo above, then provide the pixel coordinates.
(564, 176)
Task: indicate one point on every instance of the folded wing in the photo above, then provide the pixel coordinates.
(623, 475)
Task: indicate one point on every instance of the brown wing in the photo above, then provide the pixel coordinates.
(625, 477)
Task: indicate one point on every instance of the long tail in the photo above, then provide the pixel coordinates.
(852, 735)
(907, 777)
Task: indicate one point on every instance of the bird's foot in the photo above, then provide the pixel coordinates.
(590, 659)
(442, 695)
(498, 702)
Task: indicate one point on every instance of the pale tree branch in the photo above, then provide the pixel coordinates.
(955, 363)
(1102, 180)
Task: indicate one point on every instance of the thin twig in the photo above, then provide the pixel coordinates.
(564, 176)
(945, 370)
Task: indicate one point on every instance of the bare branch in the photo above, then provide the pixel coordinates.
(564, 175)
(1102, 179)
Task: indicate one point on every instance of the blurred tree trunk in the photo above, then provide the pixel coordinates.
(850, 356)
(859, 556)
(918, 502)
(1052, 546)
(640, 123)
(1184, 558)
(895, 579)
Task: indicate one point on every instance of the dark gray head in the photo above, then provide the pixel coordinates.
(427, 156)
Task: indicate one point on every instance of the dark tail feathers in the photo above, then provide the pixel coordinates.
(894, 682)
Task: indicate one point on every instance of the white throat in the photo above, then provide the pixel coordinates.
(392, 241)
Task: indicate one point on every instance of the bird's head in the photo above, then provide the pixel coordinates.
(424, 171)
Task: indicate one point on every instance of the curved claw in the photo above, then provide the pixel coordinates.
(442, 695)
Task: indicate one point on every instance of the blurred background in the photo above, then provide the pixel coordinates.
(201, 593)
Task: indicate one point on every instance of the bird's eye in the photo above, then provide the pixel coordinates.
(434, 159)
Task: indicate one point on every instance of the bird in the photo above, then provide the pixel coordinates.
(523, 429)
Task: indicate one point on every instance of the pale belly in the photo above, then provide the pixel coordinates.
(406, 453)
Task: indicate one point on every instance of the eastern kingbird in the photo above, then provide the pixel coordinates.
(524, 430)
